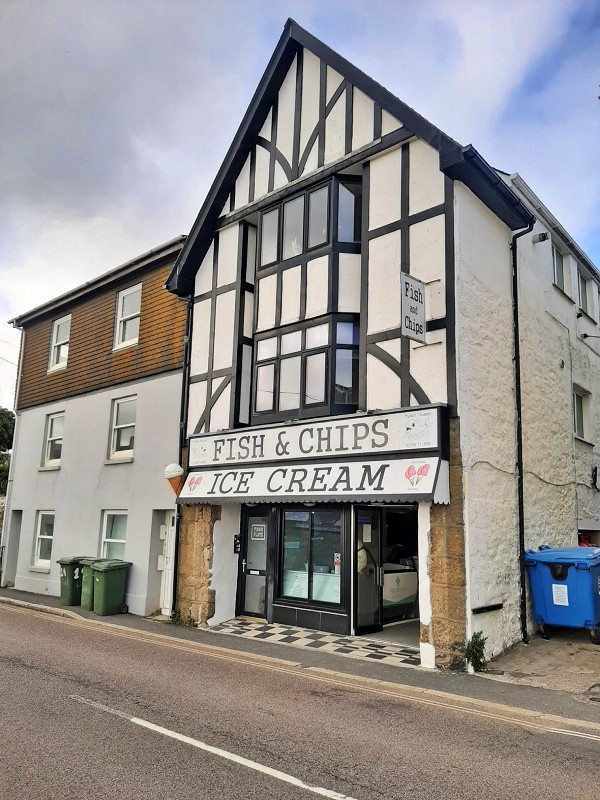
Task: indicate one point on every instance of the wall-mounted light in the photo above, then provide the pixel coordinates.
(540, 237)
(588, 335)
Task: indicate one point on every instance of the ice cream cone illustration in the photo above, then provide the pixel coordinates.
(174, 474)
(422, 472)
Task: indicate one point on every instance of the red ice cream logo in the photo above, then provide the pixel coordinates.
(415, 475)
(194, 481)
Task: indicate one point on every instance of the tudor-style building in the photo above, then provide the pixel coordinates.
(346, 472)
(98, 407)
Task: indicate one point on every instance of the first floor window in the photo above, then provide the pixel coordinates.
(59, 345)
(123, 427)
(54, 439)
(583, 300)
(43, 538)
(312, 555)
(559, 272)
(580, 400)
(127, 326)
(309, 370)
(114, 531)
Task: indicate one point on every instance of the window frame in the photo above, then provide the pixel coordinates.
(48, 440)
(580, 400)
(39, 537)
(280, 209)
(121, 319)
(326, 407)
(53, 364)
(309, 601)
(560, 285)
(582, 284)
(113, 453)
(105, 541)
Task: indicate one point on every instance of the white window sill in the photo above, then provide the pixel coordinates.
(39, 569)
(116, 460)
(583, 441)
(125, 345)
(57, 368)
(49, 468)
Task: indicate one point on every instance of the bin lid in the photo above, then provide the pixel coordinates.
(70, 560)
(110, 564)
(89, 560)
(564, 555)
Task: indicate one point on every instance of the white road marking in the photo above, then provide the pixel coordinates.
(578, 734)
(216, 751)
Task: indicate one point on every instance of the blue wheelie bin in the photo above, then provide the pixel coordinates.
(565, 588)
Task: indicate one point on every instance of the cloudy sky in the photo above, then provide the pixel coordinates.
(115, 114)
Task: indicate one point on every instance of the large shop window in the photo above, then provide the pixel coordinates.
(312, 556)
(309, 369)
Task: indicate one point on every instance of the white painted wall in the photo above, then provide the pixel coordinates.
(225, 563)
(485, 381)
(86, 484)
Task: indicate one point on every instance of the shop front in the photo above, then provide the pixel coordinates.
(328, 534)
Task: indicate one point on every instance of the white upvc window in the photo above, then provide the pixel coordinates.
(581, 400)
(59, 343)
(44, 536)
(54, 439)
(122, 429)
(559, 268)
(114, 532)
(583, 291)
(127, 326)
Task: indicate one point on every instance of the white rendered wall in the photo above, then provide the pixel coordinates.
(486, 403)
(225, 563)
(85, 484)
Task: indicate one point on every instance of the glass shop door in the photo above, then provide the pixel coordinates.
(368, 579)
(253, 565)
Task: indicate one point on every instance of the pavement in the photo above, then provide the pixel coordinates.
(560, 676)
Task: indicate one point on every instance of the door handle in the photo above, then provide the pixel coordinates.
(243, 565)
(381, 576)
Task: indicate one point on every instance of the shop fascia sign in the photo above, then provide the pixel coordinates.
(332, 437)
(361, 457)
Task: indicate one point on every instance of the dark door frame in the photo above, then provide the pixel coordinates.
(269, 512)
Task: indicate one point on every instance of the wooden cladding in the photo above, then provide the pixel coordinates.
(92, 362)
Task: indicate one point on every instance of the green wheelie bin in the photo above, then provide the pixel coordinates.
(110, 579)
(87, 581)
(70, 580)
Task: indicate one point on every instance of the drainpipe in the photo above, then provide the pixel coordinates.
(520, 493)
(183, 417)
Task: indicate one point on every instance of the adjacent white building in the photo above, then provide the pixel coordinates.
(98, 408)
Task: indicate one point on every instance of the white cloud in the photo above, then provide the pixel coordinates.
(122, 112)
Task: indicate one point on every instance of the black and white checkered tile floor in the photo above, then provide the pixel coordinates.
(350, 646)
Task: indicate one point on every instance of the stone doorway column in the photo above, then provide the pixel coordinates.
(194, 597)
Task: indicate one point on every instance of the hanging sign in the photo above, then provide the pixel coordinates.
(413, 308)
(334, 437)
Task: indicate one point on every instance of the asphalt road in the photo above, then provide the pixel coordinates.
(94, 712)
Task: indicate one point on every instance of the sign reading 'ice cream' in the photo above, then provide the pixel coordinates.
(358, 480)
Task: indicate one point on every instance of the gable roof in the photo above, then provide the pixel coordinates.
(459, 163)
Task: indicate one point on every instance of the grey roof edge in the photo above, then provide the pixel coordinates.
(548, 219)
(462, 163)
(106, 278)
(468, 166)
